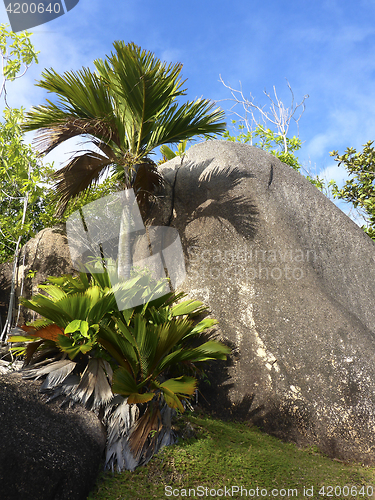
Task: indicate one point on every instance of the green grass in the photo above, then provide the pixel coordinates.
(227, 454)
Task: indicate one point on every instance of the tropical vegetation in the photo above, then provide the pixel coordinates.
(133, 367)
(126, 109)
(359, 189)
(268, 140)
(137, 367)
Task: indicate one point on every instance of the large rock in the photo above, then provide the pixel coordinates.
(47, 254)
(46, 453)
(291, 280)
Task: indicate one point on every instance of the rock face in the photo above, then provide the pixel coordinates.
(45, 255)
(46, 452)
(291, 280)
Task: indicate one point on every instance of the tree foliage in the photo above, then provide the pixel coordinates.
(17, 55)
(22, 177)
(20, 172)
(126, 109)
(268, 140)
(27, 199)
(360, 188)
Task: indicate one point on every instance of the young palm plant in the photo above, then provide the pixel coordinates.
(134, 368)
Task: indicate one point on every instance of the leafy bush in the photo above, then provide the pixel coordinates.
(268, 140)
(360, 188)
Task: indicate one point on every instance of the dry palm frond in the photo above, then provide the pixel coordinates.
(62, 368)
(146, 183)
(48, 138)
(56, 377)
(66, 389)
(94, 389)
(164, 437)
(78, 175)
(145, 428)
(120, 418)
(123, 425)
(30, 350)
(48, 332)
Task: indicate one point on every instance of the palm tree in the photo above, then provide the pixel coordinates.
(127, 108)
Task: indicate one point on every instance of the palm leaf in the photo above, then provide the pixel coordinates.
(84, 108)
(172, 400)
(94, 389)
(120, 348)
(38, 372)
(31, 349)
(205, 352)
(188, 307)
(176, 388)
(75, 306)
(124, 384)
(48, 332)
(147, 181)
(104, 305)
(68, 283)
(54, 291)
(167, 153)
(126, 109)
(58, 375)
(119, 418)
(150, 421)
(147, 343)
(180, 385)
(184, 122)
(144, 87)
(78, 175)
(170, 334)
(47, 308)
(139, 398)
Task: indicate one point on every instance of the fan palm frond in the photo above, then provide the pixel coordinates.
(122, 364)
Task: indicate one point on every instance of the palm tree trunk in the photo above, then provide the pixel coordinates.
(129, 223)
(125, 247)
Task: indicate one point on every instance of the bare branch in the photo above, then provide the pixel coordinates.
(278, 114)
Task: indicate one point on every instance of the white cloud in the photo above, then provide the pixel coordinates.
(335, 172)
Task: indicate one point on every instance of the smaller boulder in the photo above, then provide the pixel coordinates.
(47, 254)
(46, 452)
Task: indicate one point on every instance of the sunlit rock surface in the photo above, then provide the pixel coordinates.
(291, 280)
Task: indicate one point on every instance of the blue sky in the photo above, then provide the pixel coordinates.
(324, 48)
